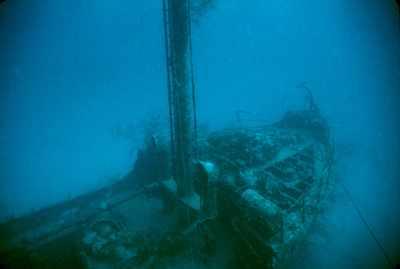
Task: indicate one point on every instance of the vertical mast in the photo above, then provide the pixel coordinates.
(180, 91)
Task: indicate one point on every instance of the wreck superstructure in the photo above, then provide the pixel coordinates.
(259, 189)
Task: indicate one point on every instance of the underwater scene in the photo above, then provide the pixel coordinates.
(225, 134)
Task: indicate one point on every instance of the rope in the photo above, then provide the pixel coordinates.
(195, 145)
(195, 136)
(366, 224)
(169, 85)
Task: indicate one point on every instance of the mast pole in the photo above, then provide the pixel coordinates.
(181, 94)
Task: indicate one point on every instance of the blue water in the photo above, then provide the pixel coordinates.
(71, 73)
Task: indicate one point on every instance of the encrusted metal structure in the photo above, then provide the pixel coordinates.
(177, 28)
(259, 192)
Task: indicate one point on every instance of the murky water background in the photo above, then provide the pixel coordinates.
(79, 80)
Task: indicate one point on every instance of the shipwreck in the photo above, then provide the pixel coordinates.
(234, 198)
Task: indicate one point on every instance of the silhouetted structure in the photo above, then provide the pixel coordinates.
(177, 23)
